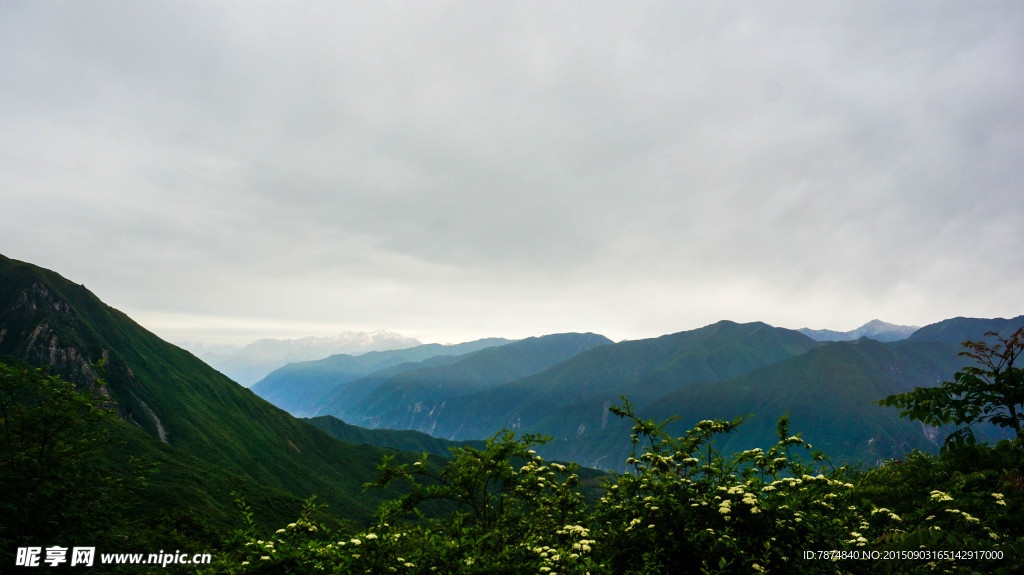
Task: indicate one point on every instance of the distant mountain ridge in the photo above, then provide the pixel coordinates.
(722, 370)
(400, 401)
(570, 400)
(302, 387)
(875, 329)
(254, 361)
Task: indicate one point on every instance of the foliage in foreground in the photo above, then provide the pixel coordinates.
(684, 508)
(990, 392)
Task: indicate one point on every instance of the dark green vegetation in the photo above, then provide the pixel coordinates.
(989, 392)
(683, 508)
(50, 433)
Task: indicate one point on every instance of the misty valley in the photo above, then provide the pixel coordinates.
(731, 448)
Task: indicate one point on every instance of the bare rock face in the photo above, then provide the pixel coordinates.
(41, 328)
(42, 344)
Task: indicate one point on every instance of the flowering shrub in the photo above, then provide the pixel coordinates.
(683, 508)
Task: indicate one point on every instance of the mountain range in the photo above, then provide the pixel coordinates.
(210, 436)
(722, 370)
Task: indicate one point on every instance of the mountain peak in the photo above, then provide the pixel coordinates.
(875, 329)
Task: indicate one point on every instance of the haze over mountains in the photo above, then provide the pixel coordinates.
(722, 370)
(305, 383)
(254, 361)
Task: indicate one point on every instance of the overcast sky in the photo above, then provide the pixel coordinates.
(223, 171)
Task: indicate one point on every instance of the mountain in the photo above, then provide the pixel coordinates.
(723, 370)
(209, 435)
(254, 361)
(829, 394)
(959, 329)
(303, 387)
(874, 329)
(396, 401)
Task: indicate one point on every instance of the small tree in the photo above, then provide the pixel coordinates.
(991, 391)
(53, 484)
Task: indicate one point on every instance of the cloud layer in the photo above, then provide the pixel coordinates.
(453, 170)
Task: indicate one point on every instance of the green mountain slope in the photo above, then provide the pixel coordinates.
(395, 403)
(572, 397)
(305, 388)
(177, 399)
(829, 394)
(570, 400)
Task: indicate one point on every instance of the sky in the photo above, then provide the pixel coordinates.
(225, 171)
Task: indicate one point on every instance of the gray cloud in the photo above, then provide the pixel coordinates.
(463, 169)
